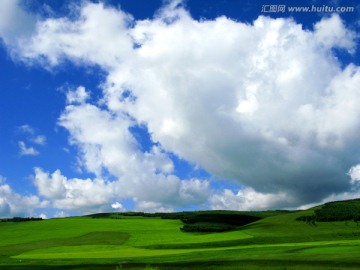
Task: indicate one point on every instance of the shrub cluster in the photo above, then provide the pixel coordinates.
(198, 221)
(225, 218)
(335, 211)
(207, 227)
(20, 219)
(215, 221)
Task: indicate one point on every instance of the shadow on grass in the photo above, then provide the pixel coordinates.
(93, 238)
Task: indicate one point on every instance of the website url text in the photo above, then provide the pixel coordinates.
(324, 8)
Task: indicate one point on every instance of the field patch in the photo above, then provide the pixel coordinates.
(95, 251)
(275, 241)
(93, 238)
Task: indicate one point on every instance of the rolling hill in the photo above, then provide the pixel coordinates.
(267, 240)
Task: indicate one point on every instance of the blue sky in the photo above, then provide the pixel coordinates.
(176, 105)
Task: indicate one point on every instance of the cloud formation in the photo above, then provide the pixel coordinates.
(31, 137)
(265, 104)
(247, 199)
(13, 204)
(27, 151)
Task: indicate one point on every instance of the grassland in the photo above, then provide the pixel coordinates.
(134, 242)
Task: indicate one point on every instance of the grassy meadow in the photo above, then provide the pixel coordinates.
(277, 241)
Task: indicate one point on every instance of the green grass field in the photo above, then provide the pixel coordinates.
(133, 242)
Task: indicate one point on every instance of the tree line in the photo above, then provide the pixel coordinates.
(216, 222)
(198, 221)
(335, 211)
(20, 219)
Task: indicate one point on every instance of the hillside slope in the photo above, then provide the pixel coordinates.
(133, 242)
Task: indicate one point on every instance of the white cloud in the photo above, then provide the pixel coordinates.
(13, 204)
(93, 195)
(27, 129)
(60, 214)
(107, 145)
(207, 74)
(194, 192)
(27, 151)
(43, 216)
(73, 194)
(118, 206)
(85, 39)
(152, 207)
(5, 210)
(331, 32)
(39, 139)
(78, 96)
(266, 104)
(31, 137)
(247, 200)
(104, 138)
(354, 173)
(52, 187)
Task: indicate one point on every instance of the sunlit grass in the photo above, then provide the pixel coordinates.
(270, 243)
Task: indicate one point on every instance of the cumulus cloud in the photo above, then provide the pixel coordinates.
(80, 39)
(108, 147)
(89, 195)
(247, 199)
(13, 204)
(331, 32)
(72, 194)
(265, 104)
(50, 187)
